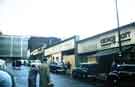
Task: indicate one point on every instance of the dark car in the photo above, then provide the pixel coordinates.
(85, 71)
(57, 68)
(123, 76)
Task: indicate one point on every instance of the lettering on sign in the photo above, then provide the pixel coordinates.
(108, 40)
(125, 36)
(112, 39)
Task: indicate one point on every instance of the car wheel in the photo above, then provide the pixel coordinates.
(79, 76)
(84, 76)
(74, 75)
(111, 81)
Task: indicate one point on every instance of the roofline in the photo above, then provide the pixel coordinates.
(4, 35)
(73, 37)
(115, 29)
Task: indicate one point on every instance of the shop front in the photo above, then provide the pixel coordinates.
(108, 48)
(86, 50)
(63, 52)
(103, 48)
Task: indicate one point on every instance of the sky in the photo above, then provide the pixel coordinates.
(63, 18)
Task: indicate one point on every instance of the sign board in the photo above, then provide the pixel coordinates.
(67, 45)
(110, 40)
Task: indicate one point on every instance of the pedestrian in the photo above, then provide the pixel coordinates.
(6, 79)
(44, 75)
(68, 67)
(13, 64)
(32, 76)
(114, 66)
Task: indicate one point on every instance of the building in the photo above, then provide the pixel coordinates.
(103, 48)
(14, 47)
(37, 42)
(37, 45)
(64, 51)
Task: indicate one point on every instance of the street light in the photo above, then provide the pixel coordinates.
(119, 36)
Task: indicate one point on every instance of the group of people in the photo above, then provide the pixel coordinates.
(7, 79)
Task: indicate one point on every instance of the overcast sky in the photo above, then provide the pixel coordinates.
(63, 18)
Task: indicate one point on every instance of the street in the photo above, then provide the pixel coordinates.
(58, 79)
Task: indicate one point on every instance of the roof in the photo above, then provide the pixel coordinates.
(73, 37)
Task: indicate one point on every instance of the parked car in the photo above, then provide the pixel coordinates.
(85, 70)
(57, 68)
(2, 64)
(24, 62)
(124, 75)
(35, 62)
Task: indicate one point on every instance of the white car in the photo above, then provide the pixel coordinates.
(2, 64)
(35, 62)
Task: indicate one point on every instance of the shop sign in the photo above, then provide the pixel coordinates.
(112, 39)
(125, 36)
(108, 40)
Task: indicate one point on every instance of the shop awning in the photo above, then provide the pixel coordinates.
(112, 51)
(107, 52)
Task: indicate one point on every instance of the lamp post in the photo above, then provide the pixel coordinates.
(119, 36)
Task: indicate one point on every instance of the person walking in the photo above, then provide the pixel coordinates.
(32, 76)
(44, 75)
(68, 67)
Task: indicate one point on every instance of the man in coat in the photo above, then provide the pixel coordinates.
(32, 77)
(44, 75)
